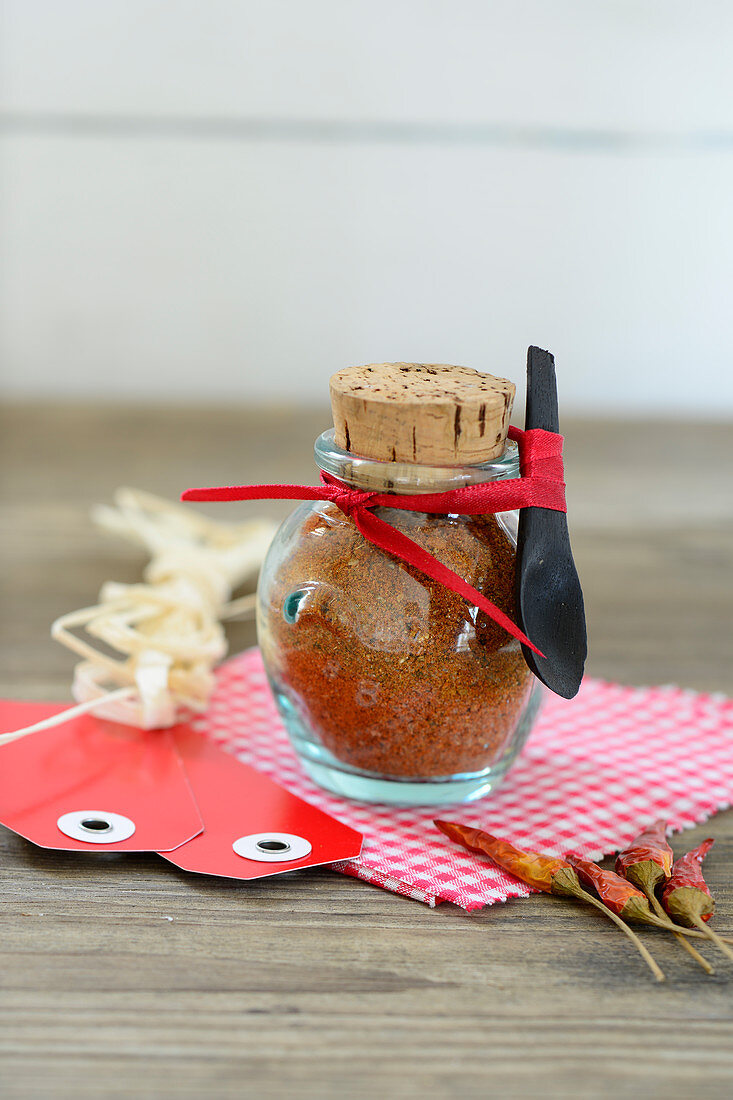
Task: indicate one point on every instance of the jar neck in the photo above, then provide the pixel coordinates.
(406, 477)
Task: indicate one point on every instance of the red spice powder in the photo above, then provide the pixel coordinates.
(390, 671)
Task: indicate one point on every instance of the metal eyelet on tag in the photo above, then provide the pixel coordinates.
(96, 826)
(236, 801)
(272, 847)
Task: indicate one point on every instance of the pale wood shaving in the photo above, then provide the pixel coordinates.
(154, 645)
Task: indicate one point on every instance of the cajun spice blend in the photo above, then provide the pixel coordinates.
(396, 673)
(387, 670)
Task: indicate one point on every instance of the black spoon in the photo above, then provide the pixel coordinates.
(549, 596)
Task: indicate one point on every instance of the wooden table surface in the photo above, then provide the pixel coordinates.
(316, 985)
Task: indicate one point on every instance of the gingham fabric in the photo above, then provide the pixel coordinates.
(595, 770)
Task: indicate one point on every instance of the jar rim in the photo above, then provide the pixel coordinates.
(408, 477)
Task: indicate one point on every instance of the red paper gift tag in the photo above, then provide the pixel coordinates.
(93, 785)
(253, 827)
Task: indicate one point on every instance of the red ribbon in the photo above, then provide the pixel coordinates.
(540, 486)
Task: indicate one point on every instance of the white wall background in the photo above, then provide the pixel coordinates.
(231, 199)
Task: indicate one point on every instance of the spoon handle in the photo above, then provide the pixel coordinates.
(549, 596)
(541, 409)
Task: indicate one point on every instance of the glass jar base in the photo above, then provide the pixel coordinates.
(349, 782)
(399, 792)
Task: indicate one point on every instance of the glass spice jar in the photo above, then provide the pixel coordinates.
(392, 687)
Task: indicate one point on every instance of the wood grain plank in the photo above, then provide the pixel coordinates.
(314, 984)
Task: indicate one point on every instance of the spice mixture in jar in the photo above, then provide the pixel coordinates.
(392, 686)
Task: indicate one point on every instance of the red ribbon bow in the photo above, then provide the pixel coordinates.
(540, 486)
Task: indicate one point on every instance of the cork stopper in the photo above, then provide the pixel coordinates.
(432, 414)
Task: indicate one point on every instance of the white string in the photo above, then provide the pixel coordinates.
(243, 608)
(66, 715)
(156, 644)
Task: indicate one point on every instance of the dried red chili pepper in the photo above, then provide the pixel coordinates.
(628, 902)
(547, 873)
(687, 875)
(687, 898)
(647, 862)
(648, 859)
(616, 892)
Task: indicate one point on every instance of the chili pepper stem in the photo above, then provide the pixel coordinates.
(700, 935)
(648, 959)
(670, 926)
(681, 940)
(700, 959)
(699, 923)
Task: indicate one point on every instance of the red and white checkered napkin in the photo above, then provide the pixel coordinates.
(595, 770)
